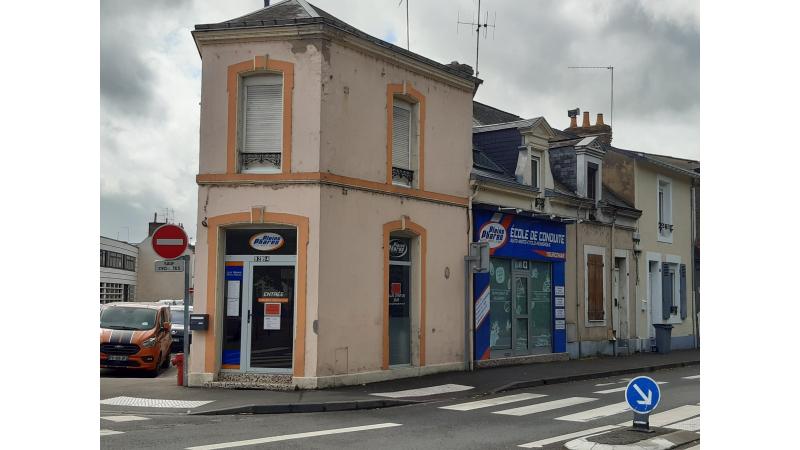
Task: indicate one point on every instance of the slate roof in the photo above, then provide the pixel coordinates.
(686, 167)
(300, 12)
(522, 123)
(483, 114)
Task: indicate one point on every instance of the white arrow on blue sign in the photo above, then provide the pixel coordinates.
(642, 395)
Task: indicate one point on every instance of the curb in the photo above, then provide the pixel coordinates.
(663, 442)
(589, 376)
(284, 408)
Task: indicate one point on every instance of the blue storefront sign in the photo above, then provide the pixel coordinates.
(525, 241)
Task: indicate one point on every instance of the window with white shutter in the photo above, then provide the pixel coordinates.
(402, 143)
(261, 125)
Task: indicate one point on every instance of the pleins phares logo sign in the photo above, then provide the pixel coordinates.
(397, 248)
(493, 233)
(266, 242)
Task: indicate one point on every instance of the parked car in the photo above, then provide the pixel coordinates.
(135, 336)
(177, 328)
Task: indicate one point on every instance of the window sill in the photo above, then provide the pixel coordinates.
(595, 323)
(665, 239)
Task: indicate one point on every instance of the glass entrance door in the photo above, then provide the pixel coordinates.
(268, 318)
(541, 312)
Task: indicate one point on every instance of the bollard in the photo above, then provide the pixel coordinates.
(177, 361)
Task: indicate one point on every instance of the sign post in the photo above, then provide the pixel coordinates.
(169, 242)
(642, 396)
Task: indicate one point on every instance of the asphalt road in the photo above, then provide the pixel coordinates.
(576, 407)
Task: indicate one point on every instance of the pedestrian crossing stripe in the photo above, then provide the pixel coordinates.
(546, 406)
(692, 424)
(492, 402)
(564, 437)
(109, 432)
(674, 415)
(123, 418)
(422, 392)
(693, 377)
(597, 413)
(620, 389)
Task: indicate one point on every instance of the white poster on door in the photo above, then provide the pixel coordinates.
(272, 322)
(232, 298)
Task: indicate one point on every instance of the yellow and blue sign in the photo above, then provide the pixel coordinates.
(522, 238)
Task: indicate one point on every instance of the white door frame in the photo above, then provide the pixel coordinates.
(623, 294)
(653, 293)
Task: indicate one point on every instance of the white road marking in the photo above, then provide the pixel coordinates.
(621, 389)
(674, 415)
(696, 447)
(421, 392)
(607, 384)
(597, 413)
(546, 406)
(169, 241)
(109, 432)
(564, 437)
(491, 402)
(287, 437)
(693, 377)
(692, 424)
(153, 402)
(124, 418)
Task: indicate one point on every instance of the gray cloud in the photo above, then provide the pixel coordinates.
(150, 87)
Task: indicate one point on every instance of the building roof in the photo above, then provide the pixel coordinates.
(483, 114)
(300, 12)
(522, 123)
(686, 167)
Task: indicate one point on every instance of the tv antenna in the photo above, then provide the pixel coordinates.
(477, 24)
(611, 68)
(408, 38)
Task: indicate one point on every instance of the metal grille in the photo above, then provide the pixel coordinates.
(403, 175)
(119, 349)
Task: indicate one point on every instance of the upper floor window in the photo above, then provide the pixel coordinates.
(534, 171)
(403, 142)
(591, 181)
(261, 126)
(664, 210)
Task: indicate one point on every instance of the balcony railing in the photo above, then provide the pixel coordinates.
(404, 175)
(264, 159)
(665, 226)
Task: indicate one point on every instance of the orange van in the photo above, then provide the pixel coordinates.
(135, 336)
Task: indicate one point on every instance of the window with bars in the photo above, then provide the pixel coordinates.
(403, 142)
(261, 124)
(111, 292)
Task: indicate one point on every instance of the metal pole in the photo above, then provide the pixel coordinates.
(186, 334)
(612, 95)
(467, 353)
(478, 39)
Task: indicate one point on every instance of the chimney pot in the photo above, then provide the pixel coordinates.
(573, 122)
(586, 123)
(600, 119)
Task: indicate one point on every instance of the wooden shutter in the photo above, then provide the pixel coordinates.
(263, 114)
(595, 287)
(401, 135)
(666, 291)
(683, 292)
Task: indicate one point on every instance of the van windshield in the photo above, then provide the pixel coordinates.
(126, 318)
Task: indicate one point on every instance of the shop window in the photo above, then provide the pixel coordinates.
(500, 303)
(594, 266)
(404, 124)
(400, 300)
(261, 124)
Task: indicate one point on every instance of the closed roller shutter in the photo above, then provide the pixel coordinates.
(401, 135)
(263, 114)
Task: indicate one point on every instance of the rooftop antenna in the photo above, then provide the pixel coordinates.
(478, 26)
(611, 68)
(408, 38)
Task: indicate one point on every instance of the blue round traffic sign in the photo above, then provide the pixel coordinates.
(642, 394)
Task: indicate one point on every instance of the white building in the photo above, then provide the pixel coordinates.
(117, 270)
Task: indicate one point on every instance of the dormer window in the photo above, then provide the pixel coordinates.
(591, 181)
(535, 171)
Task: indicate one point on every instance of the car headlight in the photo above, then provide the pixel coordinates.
(149, 342)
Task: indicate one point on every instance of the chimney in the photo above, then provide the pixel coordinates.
(586, 123)
(573, 122)
(600, 119)
(600, 129)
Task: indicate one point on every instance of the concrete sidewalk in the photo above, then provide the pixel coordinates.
(121, 392)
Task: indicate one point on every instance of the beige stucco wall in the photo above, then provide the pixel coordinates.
(351, 278)
(354, 119)
(681, 246)
(598, 236)
(305, 55)
(301, 200)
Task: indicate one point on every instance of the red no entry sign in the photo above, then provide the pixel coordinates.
(170, 241)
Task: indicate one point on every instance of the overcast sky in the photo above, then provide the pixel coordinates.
(150, 79)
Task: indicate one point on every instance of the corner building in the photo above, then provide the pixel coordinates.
(332, 204)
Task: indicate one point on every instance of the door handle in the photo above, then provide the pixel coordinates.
(249, 314)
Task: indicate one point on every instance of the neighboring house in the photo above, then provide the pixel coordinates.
(154, 286)
(666, 189)
(333, 193)
(117, 271)
(519, 306)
